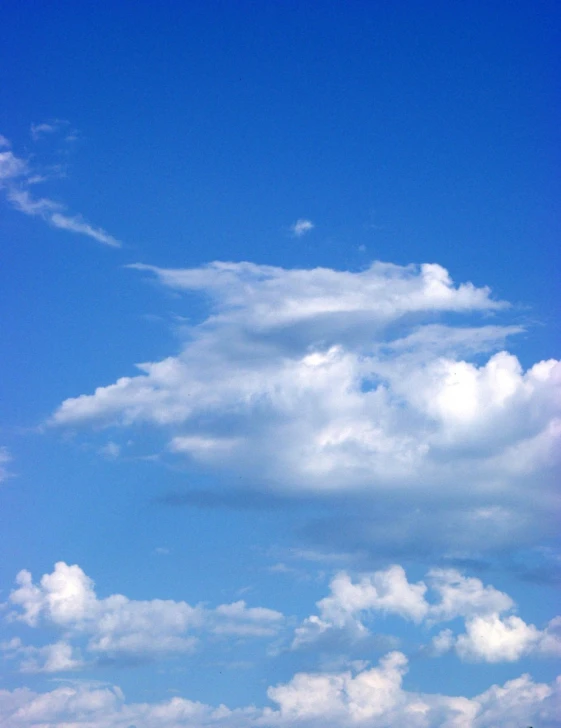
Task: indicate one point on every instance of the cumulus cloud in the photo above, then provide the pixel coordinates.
(16, 176)
(369, 382)
(349, 602)
(117, 626)
(492, 633)
(301, 227)
(373, 697)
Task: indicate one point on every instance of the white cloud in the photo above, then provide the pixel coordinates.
(58, 657)
(490, 636)
(322, 381)
(22, 201)
(11, 166)
(496, 639)
(239, 619)
(506, 639)
(16, 170)
(118, 626)
(359, 695)
(443, 642)
(301, 227)
(461, 596)
(263, 297)
(372, 697)
(363, 697)
(349, 602)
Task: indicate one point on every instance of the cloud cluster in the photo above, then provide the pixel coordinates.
(17, 177)
(119, 627)
(372, 697)
(363, 695)
(492, 633)
(323, 381)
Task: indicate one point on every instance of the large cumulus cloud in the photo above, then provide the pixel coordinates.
(392, 380)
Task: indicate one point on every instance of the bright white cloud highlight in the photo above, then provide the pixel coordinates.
(118, 626)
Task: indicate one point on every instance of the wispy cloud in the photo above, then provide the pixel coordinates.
(301, 227)
(16, 177)
(11, 167)
(110, 451)
(47, 128)
(5, 460)
(24, 202)
(77, 225)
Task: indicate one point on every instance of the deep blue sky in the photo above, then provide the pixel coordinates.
(405, 132)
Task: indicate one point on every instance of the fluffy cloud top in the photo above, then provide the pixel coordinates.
(323, 381)
(118, 626)
(383, 591)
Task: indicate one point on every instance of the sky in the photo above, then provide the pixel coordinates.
(280, 374)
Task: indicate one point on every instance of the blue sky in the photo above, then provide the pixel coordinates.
(281, 390)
